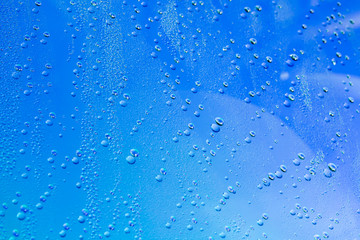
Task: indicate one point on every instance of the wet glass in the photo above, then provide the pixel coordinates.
(179, 119)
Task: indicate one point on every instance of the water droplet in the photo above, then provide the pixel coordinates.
(130, 159)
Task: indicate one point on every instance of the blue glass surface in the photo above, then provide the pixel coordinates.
(163, 120)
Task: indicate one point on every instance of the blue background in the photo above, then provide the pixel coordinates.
(87, 81)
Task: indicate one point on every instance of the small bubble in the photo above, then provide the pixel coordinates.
(283, 168)
(159, 178)
(219, 121)
(296, 162)
(134, 152)
(253, 41)
(327, 173)
(62, 233)
(301, 156)
(21, 216)
(215, 127)
(332, 167)
(104, 143)
(294, 57)
(130, 159)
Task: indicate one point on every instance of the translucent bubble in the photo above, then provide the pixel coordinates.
(52, 115)
(21, 216)
(283, 168)
(134, 152)
(219, 121)
(48, 66)
(66, 226)
(159, 178)
(16, 233)
(81, 219)
(18, 67)
(126, 96)
(332, 167)
(294, 57)
(157, 48)
(62, 233)
(278, 174)
(271, 176)
(130, 159)
(286, 103)
(301, 156)
(269, 59)
(123, 103)
(215, 127)
(163, 171)
(296, 162)
(253, 41)
(75, 160)
(265, 182)
(231, 189)
(307, 177)
(104, 143)
(49, 122)
(327, 173)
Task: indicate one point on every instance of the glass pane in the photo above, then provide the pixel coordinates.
(178, 119)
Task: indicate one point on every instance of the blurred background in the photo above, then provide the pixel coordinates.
(213, 119)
